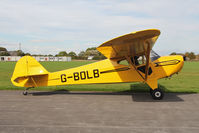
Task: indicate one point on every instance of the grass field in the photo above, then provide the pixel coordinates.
(186, 81)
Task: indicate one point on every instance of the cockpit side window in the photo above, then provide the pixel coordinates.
(138, 60)
(154, 55)
(123, 62)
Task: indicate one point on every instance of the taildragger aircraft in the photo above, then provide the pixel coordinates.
(142, 65)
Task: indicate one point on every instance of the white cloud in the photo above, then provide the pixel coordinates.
(75, 25)
(45, 41)
(9, 45)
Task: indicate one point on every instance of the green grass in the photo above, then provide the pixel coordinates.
(186, 81)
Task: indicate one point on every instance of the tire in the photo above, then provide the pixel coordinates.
(157, 94)
(25, 93)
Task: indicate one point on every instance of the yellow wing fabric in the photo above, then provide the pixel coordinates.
(133, 44)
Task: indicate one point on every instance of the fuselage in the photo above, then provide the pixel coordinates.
(110, 71)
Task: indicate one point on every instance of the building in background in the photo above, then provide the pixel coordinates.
(13, 53)
(90, 57)
(38, 58)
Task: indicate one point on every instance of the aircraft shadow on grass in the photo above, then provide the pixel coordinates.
(137, 94)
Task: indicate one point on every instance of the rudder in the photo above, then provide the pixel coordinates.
(25, 69)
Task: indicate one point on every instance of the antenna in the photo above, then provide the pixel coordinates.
(20, 46)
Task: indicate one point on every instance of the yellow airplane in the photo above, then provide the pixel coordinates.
(129, 59)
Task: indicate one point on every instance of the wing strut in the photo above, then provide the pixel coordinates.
(147, 55)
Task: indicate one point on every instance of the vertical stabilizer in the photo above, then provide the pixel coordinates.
(26, 68)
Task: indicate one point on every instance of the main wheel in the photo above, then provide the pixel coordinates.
(25, 93)
(157, 94)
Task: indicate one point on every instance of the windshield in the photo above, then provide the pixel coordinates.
(154, 55)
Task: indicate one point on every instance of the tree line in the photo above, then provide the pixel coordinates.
(4, 52)
(188, 55)
(83, 55)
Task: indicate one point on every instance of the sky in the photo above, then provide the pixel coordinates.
(51, 26)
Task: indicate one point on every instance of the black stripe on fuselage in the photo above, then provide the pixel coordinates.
(167, 63)
(115, 70)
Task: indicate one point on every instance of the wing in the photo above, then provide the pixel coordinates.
(133, 44)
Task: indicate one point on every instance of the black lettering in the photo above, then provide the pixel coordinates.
(88, 75)
(76, 76)
(96, 73)
(83, 75)
(63, 78)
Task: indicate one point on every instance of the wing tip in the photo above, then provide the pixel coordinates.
(146, 30)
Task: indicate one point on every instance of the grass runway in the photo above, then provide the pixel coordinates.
(186, 81)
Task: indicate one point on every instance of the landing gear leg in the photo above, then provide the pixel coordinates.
(151, 90)
(25, 92)
(157, 94)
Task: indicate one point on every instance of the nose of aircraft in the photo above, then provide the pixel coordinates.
(181, 63)
(178, 62)
(169, 65)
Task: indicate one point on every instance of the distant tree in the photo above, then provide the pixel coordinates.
(72, 54)
(82, 55)
(62, 53)
(27, 54)
(20, 53)
(92, 52)
(96, 58)
(173, 53)
(3, 49)
(35, 55)
(92, 48)
(197, 57)
(4, 53)
(190, 55)
(102, 57)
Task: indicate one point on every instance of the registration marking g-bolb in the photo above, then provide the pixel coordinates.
(81, 75)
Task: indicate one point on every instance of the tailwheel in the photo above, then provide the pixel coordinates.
(25, 92)
(157, 94)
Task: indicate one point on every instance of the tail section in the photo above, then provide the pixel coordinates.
(27, 71)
